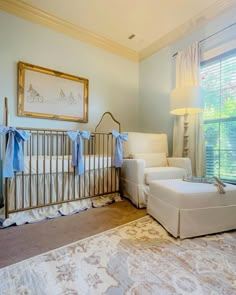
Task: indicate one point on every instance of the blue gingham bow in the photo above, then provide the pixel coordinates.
(118, 158)
(14, 158)
(77, 150)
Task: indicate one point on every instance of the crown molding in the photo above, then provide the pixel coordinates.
(188, 27)
(23, 10)
(26, 11)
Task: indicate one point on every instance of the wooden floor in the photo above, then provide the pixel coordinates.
(21, 242)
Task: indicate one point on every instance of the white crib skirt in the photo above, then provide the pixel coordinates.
(96, 182)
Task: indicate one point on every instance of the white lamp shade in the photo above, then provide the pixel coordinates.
(186, 100)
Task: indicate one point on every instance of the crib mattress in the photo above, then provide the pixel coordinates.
(60, 164)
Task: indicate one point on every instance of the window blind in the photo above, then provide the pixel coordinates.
(218, 78)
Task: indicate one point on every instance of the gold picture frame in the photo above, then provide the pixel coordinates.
(49, 94)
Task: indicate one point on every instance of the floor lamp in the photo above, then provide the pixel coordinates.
(185, 101)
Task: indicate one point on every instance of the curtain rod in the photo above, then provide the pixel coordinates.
(233, 24)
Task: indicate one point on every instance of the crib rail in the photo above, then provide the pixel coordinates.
(50, 179)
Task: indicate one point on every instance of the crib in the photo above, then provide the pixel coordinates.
(50, 180)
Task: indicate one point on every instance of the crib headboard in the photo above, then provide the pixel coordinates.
(108, 123)
(104, 141)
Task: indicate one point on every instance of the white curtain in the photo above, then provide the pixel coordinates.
(187, 74)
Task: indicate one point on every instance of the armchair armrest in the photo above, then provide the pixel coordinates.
(181, 163)
(133, 170)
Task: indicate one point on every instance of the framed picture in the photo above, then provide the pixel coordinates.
(49, 94)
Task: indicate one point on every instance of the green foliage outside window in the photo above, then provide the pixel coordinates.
(218, 78)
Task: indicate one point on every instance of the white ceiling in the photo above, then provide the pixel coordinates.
(155, 23)
(116, 20)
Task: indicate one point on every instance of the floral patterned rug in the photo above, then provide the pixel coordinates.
(136, 258)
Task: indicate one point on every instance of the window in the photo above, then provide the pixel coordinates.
(218, 78)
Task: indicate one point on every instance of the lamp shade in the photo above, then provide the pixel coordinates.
(186, 100)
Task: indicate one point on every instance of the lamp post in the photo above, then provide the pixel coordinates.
(185, 101)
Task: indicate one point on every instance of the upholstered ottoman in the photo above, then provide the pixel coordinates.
(188, 209)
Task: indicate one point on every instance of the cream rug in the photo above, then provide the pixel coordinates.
(136, 258)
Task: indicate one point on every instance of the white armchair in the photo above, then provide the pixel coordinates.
(145, 160)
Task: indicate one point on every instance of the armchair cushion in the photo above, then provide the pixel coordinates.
(181, 163)
(145, 143)
(161, 173)
(151, 159)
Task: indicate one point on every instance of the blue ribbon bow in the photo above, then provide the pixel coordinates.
(118, 158)
(14, 158)
(77, 149)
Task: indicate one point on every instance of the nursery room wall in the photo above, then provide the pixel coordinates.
(113, 80)
(157, 75)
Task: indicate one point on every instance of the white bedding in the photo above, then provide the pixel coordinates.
(58, 164)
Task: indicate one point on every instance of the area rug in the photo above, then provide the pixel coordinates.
(136, 258)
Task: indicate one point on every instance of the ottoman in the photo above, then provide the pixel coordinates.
(188, 209)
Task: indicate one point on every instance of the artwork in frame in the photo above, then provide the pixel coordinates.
(49, 94)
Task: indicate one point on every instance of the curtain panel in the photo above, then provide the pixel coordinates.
(187, 74)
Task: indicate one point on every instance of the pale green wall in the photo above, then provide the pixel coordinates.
(157, 76)
(113, 80)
